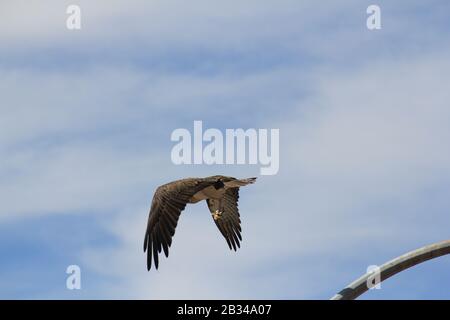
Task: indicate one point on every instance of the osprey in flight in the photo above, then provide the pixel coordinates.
(221, 194)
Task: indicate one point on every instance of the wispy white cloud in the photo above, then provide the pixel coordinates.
(69, 144)
(363, 137)
(357, 164)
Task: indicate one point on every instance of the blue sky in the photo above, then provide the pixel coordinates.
(85, 124)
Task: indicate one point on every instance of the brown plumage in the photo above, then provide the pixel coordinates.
(221, 194)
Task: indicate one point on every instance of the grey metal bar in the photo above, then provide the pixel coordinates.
(408, 260)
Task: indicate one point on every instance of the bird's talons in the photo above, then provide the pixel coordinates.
(216, 215)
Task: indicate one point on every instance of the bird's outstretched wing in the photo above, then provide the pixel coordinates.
(168, 202)
(226, 216)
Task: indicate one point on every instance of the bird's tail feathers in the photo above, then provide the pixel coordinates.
(248, 180)
(240, 182)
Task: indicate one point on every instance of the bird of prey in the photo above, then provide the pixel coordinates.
(221, 194)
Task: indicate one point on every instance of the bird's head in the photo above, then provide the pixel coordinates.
(219, 184)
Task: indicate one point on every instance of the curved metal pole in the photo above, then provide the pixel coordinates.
(408, 260)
